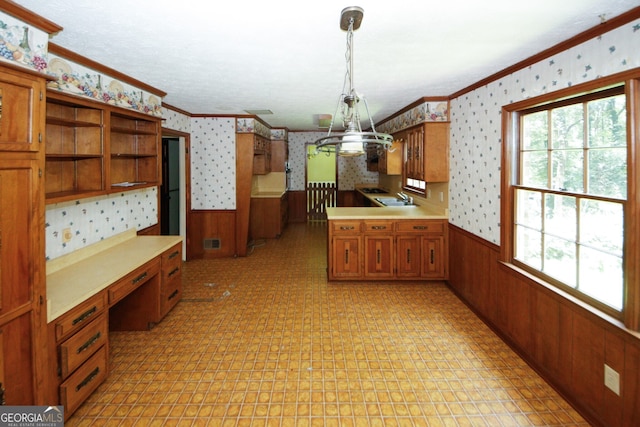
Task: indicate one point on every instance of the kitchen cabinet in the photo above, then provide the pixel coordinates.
(171, 282)
(378, 243)
(94, 148)
(375, 249)
(261, 155)
(279, 155)
(427, 151)
(269, 216)
(23, 324)
(427, 254)
(372, 159)
(390, 161)
(345, 250)
(81, 351)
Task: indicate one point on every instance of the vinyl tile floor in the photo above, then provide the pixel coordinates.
(265, 340)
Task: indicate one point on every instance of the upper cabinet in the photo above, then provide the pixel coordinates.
(390, 161)
(92, 149)
(427, 151)
(18, 93)
(134, 142)
(74, 149)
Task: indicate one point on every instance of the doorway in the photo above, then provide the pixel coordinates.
(321, 183)
(170, 188)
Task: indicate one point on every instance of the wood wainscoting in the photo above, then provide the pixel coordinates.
(217, 226)
(565, 342)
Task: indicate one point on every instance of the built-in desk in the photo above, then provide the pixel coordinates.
(126, 282)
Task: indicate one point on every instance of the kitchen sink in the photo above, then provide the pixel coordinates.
(392, 201)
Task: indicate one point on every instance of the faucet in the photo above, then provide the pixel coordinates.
(403, 196)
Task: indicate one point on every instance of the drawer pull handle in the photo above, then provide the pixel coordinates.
(408, 256)
(174, 271)
(89, 378)
(84, 315)
(173, 295)
(139, 278)
(347, 227)
(346, 256)
(378, 256)
(91, 341)
(420, 227)
(432, 256)
(175, 254)
(378, 227)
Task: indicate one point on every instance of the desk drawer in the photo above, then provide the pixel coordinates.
(79, 316)
(171, 259)
(171, 294)
(84, 381)
(75, 350)
(131, 281)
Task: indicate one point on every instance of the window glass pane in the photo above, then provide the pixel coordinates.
(608, 172)
(560, 260)
(567, 170)
(560, 216)
(535, 169)
(568, 127)
(529, 209)
(528, 246)
(602, 225)
(535, 130)
(601, 276)
(608, 122)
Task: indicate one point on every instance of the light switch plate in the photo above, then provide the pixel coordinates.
(612, 379)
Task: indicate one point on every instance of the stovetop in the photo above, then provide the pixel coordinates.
(373, 190)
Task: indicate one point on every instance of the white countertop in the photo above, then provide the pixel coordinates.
(275, 194)
(419, 211)
(74, 278)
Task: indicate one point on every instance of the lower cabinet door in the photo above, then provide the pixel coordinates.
(346, 257)
(378, 256)
(433, 257)
(408, 256)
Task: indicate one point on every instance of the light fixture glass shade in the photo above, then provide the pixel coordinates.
(352, 145)
(353, 141)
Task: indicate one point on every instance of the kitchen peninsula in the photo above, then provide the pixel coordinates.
(387, 243)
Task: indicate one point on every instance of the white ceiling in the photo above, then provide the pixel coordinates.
(289, 56)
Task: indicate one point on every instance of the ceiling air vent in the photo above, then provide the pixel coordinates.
(211, 243)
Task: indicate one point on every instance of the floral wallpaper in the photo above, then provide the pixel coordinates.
(429, 111)
(22, 44)
(76, 224)
(474, 185)
(213, 163)
(82, 81)
(176, 120)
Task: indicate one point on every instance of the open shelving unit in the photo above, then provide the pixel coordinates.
(93, 148)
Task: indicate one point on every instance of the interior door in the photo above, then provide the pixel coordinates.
(170, 189)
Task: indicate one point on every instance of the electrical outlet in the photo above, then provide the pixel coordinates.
(428, 193)
(442, 196)
(66, 235)
(612, 379)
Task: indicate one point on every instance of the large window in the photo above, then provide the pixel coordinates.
(567, 178)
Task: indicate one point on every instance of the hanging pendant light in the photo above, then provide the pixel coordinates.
(353, 141)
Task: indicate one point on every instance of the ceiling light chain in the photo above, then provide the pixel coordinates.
(353, 141)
